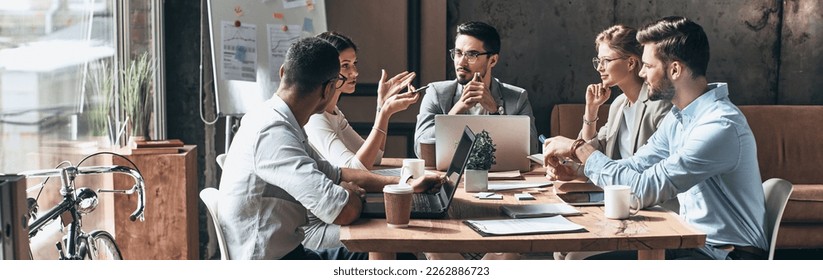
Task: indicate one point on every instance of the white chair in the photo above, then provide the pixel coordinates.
(221, 158)
(210, 197)
(777, 193)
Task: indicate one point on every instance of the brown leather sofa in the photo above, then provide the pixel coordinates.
(789, 146)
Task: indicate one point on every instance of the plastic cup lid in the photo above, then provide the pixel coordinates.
(398, 189)
(427, 141)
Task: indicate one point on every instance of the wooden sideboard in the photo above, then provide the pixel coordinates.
(170, 230)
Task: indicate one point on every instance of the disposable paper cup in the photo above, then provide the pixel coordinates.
(398, 200)
(427, 151)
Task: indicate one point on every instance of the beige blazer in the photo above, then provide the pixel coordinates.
(649, 115)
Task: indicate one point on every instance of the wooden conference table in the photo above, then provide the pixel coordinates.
(650, 232)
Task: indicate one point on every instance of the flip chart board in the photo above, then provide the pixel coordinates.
(249, 39)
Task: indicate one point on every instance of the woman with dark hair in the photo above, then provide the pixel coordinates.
(330, 133)
(332, 137)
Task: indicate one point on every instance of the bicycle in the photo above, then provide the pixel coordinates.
(98, 244)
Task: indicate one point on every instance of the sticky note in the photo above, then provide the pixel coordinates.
(308, 25)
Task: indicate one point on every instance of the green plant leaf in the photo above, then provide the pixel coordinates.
(482, 155)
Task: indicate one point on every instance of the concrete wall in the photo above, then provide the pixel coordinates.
(767, 56)
(182, 35)
(801, 54)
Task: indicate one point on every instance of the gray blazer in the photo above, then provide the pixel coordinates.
(440, 98)
(648, 116)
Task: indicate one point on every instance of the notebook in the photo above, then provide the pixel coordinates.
(510, 134)
(425, 205)
(579, 194)
(539, 210)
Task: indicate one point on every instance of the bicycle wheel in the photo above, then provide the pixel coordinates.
(99, 245)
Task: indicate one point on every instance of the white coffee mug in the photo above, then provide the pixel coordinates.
(414, 166)
(618, 202)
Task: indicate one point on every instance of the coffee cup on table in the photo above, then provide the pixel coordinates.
(618, 202)
(427, 151)
(414, 167)
(398, 200)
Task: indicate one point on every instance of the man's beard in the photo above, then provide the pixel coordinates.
(665, 90)
(465, 79)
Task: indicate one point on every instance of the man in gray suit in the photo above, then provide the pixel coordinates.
(475, 91)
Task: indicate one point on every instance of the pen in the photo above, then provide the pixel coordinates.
(420, 89)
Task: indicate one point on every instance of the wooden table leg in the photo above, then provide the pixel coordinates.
(382, 256)
(651, 254)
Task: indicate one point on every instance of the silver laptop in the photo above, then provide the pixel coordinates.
(428, 205)
(510, 135)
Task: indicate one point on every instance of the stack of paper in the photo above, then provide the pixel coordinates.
(556, 224)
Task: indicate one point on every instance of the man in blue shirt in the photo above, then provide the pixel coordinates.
(704, 151)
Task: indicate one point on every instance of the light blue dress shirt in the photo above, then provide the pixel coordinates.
(707, 154)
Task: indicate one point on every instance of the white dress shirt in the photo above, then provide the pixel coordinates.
(271, 179)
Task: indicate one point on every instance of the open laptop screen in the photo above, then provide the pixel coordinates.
(458, 163)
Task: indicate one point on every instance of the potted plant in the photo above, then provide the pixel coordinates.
(481, 159)
(136, 95)
(100, 103)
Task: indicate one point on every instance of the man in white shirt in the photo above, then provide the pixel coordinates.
(272, 177)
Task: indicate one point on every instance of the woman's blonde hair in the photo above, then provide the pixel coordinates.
(622, 39)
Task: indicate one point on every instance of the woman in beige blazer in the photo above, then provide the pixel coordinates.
(633, 118)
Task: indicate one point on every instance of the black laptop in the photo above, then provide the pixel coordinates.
(426, 205)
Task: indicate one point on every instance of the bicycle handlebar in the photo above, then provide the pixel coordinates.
(72, 172)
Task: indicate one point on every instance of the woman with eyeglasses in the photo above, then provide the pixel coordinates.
(633, 118)
(331, 135)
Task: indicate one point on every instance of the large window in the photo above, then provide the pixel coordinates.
(59, 61)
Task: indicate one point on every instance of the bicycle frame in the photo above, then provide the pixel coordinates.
(69, 202)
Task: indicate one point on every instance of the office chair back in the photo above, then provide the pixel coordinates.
(221, 158)
(210, 197)
(777, 193)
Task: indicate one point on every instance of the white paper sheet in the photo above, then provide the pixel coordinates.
(239, 51)
(553, 224)
(279, 43)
